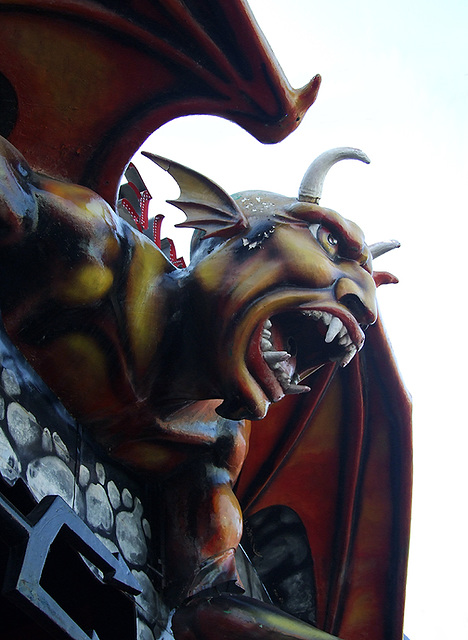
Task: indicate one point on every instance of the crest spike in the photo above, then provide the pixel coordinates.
(207, 206)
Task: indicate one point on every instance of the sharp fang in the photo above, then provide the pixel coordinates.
(274, 357)
(326, 317)
(283, 379)
(334, 328)
(265, 345)
(349, 355)
(296, 388)
(267, 324)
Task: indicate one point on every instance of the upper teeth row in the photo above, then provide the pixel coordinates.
(336, 328)
(275, 360)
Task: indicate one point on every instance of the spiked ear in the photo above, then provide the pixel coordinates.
(206, 205)
(383, 277)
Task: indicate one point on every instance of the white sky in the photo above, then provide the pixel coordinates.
(395, 83)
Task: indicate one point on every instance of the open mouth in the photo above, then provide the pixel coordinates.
(291, 345)
(280, 340)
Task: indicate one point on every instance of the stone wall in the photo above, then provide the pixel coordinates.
(43, 447)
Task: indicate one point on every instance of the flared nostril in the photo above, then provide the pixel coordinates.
(359, 310)
(359, 298)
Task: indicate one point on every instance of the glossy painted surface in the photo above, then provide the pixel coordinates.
(69, 108)
(142, 354)
(239, 617)
(340, 456)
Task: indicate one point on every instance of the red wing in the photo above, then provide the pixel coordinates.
(340, 457)
(83, 84)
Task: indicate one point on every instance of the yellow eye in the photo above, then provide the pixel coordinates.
(325, 238)
(331, 240)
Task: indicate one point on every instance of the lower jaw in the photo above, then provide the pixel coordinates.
(233, 411)
(253, 405)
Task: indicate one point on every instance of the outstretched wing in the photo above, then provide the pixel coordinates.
(340, 457)
(83, 83)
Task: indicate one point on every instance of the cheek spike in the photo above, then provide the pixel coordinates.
(384, 277)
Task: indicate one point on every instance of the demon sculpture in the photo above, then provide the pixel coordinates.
(166, 367)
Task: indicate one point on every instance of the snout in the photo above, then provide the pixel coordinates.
(359, 299)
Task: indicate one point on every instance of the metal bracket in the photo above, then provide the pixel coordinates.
(30, 539)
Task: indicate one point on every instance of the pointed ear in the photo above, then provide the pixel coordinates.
(383, 277)
(206, 205)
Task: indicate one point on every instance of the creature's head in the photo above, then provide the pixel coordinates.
(284, 285)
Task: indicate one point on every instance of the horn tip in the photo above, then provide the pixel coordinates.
(379, 248)
(308, 94)
(358, 154)
(164, 163)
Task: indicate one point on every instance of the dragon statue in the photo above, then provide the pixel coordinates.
(277, 287)
(253, 390)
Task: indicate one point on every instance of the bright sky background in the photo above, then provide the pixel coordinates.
(395, 83)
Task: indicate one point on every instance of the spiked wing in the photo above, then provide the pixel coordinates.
(83, 83)
(340, 458)
(206, 205)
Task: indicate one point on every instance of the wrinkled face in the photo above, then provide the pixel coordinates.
(289, 294)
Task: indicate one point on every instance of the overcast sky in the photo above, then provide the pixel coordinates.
(395, 84)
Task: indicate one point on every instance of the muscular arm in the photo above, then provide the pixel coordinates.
(58, 235)
(78, 299)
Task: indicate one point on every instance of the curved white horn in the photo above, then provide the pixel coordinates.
(379, 248)
(312, 182)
